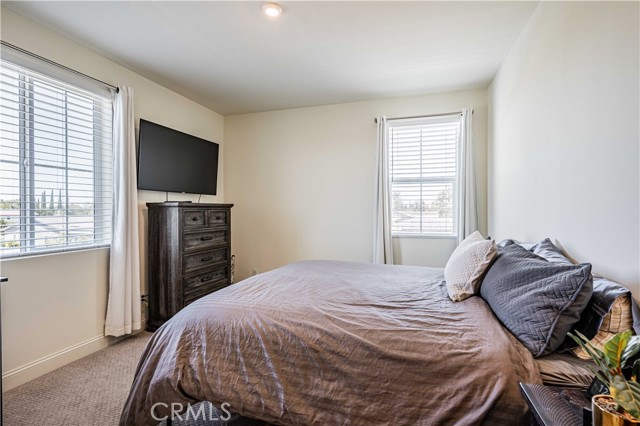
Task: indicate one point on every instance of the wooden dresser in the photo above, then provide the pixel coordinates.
(189, 255)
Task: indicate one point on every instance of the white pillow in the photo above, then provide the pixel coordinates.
(466, 266)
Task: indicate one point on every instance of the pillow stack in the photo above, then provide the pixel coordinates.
(539, 294)
(538, 301)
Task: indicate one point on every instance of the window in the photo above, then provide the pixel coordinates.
(55, 164)
(423, 169)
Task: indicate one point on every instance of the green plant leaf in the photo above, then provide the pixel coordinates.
(627, 395)
(615, 348)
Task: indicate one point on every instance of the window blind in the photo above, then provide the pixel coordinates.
(423, 170)
(56, 164)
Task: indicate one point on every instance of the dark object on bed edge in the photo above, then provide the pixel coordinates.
(557, 406)
(207, 414)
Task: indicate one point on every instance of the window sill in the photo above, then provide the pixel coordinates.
(52, 253)
(429, 237)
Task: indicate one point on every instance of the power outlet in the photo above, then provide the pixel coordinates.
(254, 272)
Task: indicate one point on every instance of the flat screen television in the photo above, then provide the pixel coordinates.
(172, 161)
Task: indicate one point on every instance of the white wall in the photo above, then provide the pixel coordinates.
(302, 181)
(564, 135)
(53, 307)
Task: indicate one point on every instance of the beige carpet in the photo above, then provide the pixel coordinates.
(87, 392)
(90, 392)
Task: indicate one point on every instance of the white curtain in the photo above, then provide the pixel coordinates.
(467, 204)
(382, 244)
(124, 308)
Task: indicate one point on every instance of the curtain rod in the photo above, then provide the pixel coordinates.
(375, 120)
(49, 61)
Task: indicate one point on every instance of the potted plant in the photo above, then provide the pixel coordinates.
(622, 406)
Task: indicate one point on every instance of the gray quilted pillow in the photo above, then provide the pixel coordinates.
(547, 250)
(536, 300)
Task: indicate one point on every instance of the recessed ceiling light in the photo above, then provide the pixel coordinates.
(272, 9)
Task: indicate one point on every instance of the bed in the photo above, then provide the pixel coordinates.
(328, 342)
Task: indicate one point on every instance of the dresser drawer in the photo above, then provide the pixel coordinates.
(207, 279)
(203, 239)
(205, 259)
(218, 217)
(193, 217)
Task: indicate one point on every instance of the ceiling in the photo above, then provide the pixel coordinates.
(230, 57)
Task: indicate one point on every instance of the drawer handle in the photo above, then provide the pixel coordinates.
(206, 259)
(203, 279)
(218, 217)
(206, 238)
(195, 218)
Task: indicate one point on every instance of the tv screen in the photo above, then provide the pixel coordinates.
(172, 161)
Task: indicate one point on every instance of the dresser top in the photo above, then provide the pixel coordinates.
(188, 204)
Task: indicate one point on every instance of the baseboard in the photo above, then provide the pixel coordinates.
(34, 369)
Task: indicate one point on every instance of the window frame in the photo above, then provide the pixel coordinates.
(421, 121)
(101, 217)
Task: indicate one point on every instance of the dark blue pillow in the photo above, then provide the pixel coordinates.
(536, 300)
(547, 250)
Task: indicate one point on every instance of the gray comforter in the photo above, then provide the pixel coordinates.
(337, 343)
